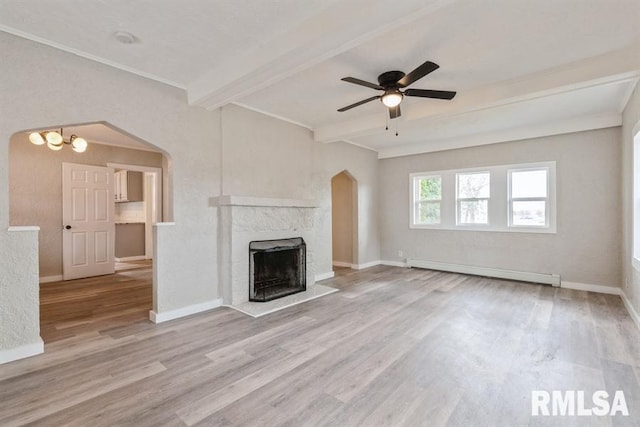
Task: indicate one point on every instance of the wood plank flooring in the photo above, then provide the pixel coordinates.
(394, 347)
(79, 306)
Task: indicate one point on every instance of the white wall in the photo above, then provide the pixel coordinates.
(342, 218)
(362, 165)
(72, 90)
(630, 127)
(586, 248)
(263, 157)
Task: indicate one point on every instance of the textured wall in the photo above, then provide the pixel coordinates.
(264, 157)
(19, 322)
(630, 127)
(75, 91)
(35, 188)
(362, 165)
(342, 218)
(586, 247)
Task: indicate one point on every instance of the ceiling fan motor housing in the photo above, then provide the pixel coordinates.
(390, 78)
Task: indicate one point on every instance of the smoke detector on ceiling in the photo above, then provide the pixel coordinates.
(125, 37)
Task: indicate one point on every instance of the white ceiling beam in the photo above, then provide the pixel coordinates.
(614, 67)
(315, 40)
(578, 124)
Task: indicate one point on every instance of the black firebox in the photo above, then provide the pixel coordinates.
(277, 268)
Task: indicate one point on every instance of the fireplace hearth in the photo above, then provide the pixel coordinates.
(277, 268)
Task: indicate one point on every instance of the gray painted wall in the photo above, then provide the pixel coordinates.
(586, 248)
(35, 188)
(630, 126)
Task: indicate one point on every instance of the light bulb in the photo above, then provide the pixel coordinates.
(79, 145)
(54, 147)
(36, 138)
(54, 138)
(392, 98)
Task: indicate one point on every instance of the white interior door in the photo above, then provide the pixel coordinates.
(88, 224)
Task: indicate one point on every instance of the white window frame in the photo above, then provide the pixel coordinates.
(510, 199)
(635, 260)
(459, 199)
(417, 201)
(498, 204)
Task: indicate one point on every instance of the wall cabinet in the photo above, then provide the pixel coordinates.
(128, 186)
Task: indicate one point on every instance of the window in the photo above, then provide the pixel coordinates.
(427, 199)
(473, 191)
(528, 194)
(517, 198)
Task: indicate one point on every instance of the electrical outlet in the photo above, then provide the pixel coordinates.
(400, 254)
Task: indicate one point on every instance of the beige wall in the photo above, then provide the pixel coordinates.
(35, 188)
(630, 127)
(586, 248)
(342, 218)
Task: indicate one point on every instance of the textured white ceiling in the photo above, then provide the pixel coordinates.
(514, 63)
(178, 40)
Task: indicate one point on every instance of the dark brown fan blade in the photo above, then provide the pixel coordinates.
(362, 83)
(394, 112)
(364, 101)
(427, 93)
(418, 73)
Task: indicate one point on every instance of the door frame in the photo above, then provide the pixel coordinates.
(156, 214)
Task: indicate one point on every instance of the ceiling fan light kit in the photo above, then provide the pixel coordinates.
(55, 141)
(391, 82)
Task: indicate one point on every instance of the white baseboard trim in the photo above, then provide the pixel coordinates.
(394, 263)
(48, 279)
(365, 265)
(22, 352)
(632, 311)
(324, 276)
(523, 276)
(342, 264)
(184, 311)
(131, 258)
(600, 289)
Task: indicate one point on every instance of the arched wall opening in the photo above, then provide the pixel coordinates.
(344, 220)
(35, 187)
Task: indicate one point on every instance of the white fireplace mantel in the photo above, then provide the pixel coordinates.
(226, 200)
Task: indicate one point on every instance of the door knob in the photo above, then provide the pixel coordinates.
(68, 227)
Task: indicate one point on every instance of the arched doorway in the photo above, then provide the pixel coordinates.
(344, 220)
(36, 187)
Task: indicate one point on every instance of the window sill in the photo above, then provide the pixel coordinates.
(549, 230)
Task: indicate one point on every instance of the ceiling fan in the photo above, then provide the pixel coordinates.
(392, 81)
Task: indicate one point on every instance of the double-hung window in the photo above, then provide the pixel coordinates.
(529, 197)
(427, 200)
(473, 191)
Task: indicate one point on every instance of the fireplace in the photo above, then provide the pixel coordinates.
(277, 268)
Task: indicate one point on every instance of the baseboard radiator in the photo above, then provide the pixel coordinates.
(521, 276)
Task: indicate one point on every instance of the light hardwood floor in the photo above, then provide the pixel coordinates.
(394, 347)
